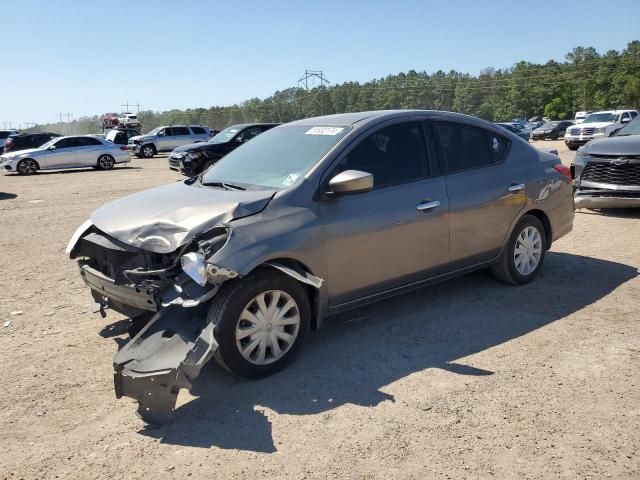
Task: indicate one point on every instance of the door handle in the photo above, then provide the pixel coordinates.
(428, 205)
(516, 187)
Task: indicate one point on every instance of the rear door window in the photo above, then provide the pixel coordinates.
(466, 146)
(87, 142)
(198, 131)
(180, 131)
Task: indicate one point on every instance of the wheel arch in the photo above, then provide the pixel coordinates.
(313, 293)
(29, 158)
(546, 223)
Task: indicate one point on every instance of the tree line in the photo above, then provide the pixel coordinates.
(586, 80)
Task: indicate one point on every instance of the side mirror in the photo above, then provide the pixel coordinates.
(52, 147)
(625, 120)
(161, 133)
(350, 181)
(238, 139)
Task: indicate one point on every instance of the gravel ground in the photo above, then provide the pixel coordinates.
(468, 379)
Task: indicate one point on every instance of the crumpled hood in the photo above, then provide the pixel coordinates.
(139, 137)
(164, 218)
(626, 145)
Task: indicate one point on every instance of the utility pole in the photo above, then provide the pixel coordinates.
(137, 105)
(310, 77)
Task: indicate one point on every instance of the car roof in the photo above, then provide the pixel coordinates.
(363, 119)
(255, 124)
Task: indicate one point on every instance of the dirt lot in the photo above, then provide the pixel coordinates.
(469, 379)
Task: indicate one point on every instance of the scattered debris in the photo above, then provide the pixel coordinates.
(16, 312)
(7, 323)
(35, 201)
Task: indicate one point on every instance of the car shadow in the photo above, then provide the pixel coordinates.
(358, 353)
(7, 196)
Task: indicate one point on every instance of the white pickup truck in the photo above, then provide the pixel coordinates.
(597, 125)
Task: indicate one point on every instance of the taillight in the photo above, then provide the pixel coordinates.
(124, 148)
(564, 170)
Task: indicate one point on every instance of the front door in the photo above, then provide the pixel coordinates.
(397, 233)
(62, 156)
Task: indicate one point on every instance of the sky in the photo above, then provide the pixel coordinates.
(86, 57)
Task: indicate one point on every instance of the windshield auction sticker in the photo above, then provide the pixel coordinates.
(324, 131)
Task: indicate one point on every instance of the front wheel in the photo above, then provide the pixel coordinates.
(572, 147)
(27, 167)
(523, 255)
(261, 322)
(148, 151)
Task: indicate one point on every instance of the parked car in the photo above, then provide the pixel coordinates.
(606, 171)
(519, 131)
(129, 120)
(580, 116)
(597, 125)
(121, 136)
(193, 159)
(533, 125)
(65, 152)
(165, 139)
(4, 134)
(308, 219)
(551, 130)
(24, 141)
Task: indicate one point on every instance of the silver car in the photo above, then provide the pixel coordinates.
(165, 139)
(65, 152)
(306, 220)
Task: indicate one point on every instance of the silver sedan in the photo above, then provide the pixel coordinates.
(66, 152)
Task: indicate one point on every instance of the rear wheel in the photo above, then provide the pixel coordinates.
(105, 162)
(148, 151)
(572, 147)
(261, 322)
(522, 257)
(27, 167)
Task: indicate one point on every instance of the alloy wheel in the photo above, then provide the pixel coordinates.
(105, 162)
(268, 327)
(528, 251)
(27, 167)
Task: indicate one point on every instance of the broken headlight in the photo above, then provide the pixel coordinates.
(193, 264)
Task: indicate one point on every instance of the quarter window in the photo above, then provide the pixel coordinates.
(468, 147)
(393, 155)
(180, 131)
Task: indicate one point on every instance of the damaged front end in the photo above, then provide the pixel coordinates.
(170, 291)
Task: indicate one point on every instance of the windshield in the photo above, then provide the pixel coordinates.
(48, 144)
(276, 158)
(225, 135)
(550, 125)
(600, 117)
(631, 128)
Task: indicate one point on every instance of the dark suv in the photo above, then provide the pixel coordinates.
(25, 141)
(191, 160)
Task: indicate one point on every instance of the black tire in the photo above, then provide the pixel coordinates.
(105, 162)
(228, 304)
(27, 166)
(504, 269)
(148, 151)
(572, 147)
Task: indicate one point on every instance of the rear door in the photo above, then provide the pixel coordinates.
(397, 233)
(486, 192)
(181, 136)
(198, 134)
(88, 150)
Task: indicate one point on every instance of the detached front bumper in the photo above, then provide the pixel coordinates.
(165, 356)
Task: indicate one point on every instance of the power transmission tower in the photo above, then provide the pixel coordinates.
(310, 78)
(137, 105)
